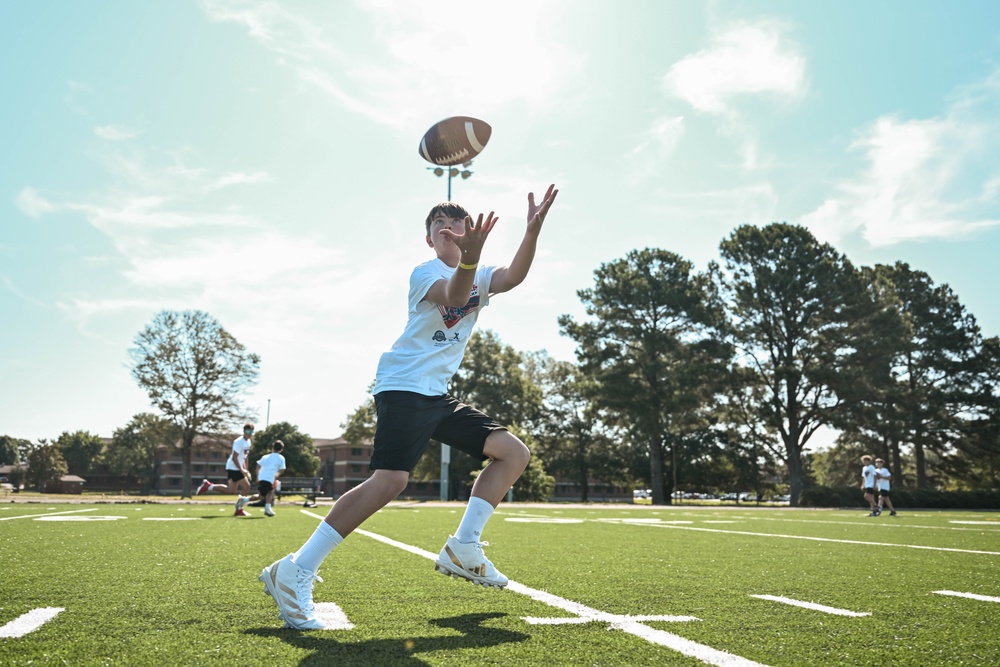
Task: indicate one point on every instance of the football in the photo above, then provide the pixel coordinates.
(454, 140)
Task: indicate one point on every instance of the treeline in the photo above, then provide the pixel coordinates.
(686, 380)
(719, 380)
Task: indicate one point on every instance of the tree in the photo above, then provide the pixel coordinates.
(194, 372)
(10, 450)
(131, 454)
(653, 348)
(81, 450)
(45, 464)
(534, 484)
(300, 455)
(808, 333)
(574, 440)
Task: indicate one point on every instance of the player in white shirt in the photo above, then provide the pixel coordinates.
(446, 296)
(882, 476)
(269, 468)
(238, 476)
(868, 483)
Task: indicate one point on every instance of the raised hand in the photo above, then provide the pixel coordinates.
(471, 242)
(536, 213)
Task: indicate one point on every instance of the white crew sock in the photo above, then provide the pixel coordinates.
(477, 514)
(312, 554)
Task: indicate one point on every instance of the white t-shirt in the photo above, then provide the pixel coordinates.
(428, 353)
(270, 465)
(883, 484)
(241, 447)
(868, 472)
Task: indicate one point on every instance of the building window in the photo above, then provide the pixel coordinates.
(198, 467)
(175, 467)
(355, 468)
(355, 451)
(216, 455)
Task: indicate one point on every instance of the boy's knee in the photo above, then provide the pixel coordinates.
(505, 446)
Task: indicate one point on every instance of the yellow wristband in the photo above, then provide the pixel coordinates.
(468, 266)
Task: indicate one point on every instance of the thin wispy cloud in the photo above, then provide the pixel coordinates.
(923, 178)
(658, 142)
(116, 132)
(33, 204)
(420, 50)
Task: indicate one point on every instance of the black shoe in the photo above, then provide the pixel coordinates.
(892, 513)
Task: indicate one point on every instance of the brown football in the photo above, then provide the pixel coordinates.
(454, 140)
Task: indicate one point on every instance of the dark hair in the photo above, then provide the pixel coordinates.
(448, 208)
(278, 445)
(248, 426)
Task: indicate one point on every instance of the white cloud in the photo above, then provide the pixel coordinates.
(428, 55)
(32, 204)
(116, 132)
(924, 178)
(745, 59)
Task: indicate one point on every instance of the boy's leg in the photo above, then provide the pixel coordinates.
(462, 555)
(290, 580)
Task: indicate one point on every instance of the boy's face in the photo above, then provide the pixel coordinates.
(436, 238)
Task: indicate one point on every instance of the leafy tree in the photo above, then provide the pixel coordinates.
(10, 450)
(653, 347)
(132, 451)
(300, 455)
(841, 464)
(534, 484)
(81, 450)
(45, 464)
(194, 372)
(933, 380)
(573, 440)
(359, 429)
(808, 335)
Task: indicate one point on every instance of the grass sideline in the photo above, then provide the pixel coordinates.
(176, 584)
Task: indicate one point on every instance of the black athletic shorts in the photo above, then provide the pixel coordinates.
(264, 487)
(883, 493)
(406, 421)
(869, 489)
(235, 475)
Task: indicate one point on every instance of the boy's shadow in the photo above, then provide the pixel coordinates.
(401, 652)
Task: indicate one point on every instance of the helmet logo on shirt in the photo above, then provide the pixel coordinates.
(438, 336)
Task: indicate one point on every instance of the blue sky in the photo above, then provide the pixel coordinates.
(259, 161)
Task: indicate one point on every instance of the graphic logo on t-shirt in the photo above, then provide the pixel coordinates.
(453, 316)
(438, 336)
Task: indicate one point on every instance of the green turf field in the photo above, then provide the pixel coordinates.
(593, 585)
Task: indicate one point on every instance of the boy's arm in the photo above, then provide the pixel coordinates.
(455, 291)
(507, 278)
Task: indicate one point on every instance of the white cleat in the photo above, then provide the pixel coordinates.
(291, 587)
(467, 561)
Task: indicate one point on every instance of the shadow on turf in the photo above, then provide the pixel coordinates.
(395, 651)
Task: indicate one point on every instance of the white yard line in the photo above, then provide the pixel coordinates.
(971, 596)
(29, 622)
(811, 605)
(629, 624)
(35, 516)
(799, 537)
(883, 522)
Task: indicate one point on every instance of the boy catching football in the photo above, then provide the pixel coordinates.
(446, 295)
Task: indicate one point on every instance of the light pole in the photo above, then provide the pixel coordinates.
(452, 172)
(445, 449)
